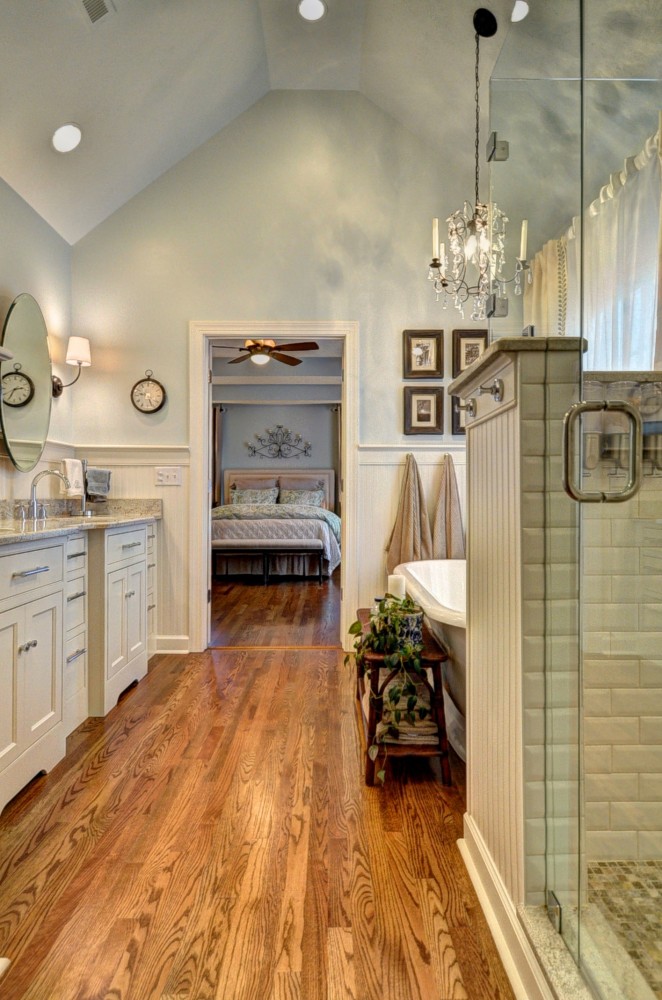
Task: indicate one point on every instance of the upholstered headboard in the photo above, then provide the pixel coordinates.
(327, 477)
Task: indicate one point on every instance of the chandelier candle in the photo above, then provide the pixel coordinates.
(523, 238)
(435, 237)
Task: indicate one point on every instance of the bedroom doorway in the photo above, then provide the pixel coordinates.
(301, 611)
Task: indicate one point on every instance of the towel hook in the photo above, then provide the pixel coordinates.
(495, 390)
(469, 406)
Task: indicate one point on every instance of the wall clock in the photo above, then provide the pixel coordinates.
(148, 395)
(17, 388)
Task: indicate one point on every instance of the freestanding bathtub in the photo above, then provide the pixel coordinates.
(440, 587)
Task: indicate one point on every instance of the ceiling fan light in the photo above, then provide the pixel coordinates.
(260, 359)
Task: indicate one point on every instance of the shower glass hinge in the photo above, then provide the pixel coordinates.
(497, 149)
(554, 911)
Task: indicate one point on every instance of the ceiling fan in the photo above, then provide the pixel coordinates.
(261, 351)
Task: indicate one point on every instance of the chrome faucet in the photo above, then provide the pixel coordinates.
(32, 507)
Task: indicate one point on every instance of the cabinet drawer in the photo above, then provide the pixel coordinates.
(22, 572)
(75, 602)
(75, 664)
(151, 575)
(76, 552)
(126, 544)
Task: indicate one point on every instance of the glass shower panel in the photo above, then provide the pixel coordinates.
(536, 106)
(621, 553)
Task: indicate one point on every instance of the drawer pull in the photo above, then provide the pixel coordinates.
(74, 597)
(31, 572)
(151, 565)
(27, 645)
(74, 656)
(131, 545)
(151, 537)
(150, 607)
(129, 593)
(75, 555)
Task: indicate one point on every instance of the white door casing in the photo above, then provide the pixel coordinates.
(201, 335)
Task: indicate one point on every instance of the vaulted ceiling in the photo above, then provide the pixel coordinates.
(151, 80)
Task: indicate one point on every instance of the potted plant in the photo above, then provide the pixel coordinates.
(394, 633)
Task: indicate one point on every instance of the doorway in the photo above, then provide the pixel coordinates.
(202, 334)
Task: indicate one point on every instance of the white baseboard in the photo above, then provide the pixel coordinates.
(522, 967)
(171, 644)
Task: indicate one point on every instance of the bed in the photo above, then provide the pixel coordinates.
(262, 535)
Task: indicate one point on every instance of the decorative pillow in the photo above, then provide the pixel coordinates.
(313, 498)
(254, 482)
(254, 496)
(300, 483)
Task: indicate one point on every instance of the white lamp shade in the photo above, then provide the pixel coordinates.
(260, 359)
(78, 352)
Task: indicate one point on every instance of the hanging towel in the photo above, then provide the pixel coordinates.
(98, 482)
(410, 539)
(72, 468)
(447, 533)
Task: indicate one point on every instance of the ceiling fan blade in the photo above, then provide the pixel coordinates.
(285, 358)
(242, 357)
(303, 345)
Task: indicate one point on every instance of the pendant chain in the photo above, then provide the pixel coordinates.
(477, 117)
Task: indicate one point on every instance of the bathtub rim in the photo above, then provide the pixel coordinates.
(431, 606)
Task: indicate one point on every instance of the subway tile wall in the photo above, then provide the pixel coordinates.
(623, 671)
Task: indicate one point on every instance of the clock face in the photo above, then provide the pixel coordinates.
(148, 395)
(17, 389)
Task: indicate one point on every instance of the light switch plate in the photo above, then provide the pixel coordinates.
(168, 475)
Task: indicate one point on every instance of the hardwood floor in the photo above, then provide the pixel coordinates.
(212, 838)
(287, 612)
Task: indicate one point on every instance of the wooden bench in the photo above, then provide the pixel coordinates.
(431, 658)
(265, 549)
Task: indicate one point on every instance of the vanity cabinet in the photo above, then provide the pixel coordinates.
(32, 735)
(76, 637)
(117, 613)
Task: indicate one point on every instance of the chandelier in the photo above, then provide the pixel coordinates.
(476, 255)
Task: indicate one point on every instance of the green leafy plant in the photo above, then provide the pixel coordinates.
(388, 635)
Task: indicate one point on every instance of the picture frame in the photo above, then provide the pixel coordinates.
(458, 423)
(423, 409)
(423, 354)
(468, 345)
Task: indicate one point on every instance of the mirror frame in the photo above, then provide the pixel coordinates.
(38, 353)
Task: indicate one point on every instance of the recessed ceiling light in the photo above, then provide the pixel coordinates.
(66, 137)
(520, 10)
(312, 10)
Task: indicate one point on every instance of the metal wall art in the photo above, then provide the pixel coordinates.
(279, 442)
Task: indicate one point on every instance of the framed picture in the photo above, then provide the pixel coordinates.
(468, 345)
(424, 409)
(458, 424)
(423, 354)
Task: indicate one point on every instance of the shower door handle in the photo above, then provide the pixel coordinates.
(635, 447)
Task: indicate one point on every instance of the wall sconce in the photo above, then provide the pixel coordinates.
(78, 353)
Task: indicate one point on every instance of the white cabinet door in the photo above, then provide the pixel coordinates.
(116, 612)
(136, 602)
(9, 686)
(41, 666)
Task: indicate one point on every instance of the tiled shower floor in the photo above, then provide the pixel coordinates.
(629, 895)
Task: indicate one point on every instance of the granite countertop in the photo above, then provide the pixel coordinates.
(17, 530)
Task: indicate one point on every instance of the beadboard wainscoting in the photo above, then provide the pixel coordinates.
(381, 469)
(134, 475)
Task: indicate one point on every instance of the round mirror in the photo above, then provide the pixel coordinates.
(25, 381)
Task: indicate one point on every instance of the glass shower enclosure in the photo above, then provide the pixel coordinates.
(577, 94)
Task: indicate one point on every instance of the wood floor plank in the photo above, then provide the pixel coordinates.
(219, 812)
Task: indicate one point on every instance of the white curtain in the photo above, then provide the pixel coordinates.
(621, 235)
